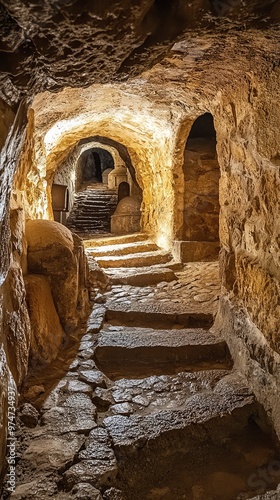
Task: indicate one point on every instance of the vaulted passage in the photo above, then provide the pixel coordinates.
(92, 164)
(95, 180)
(146, 389)
(139, 255)
(201, 194)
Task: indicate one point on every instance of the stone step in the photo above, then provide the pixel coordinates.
(98, 198)
(82, 209)
(90, 218)
(95, 196)
(115, 240)
(124, 314)
(86, 211)
(123, 249)
(213, 414)
(196, 443)
(96, 203)
(87, 223)
(135, 260)
(124, 351)
(141, 276)
(92, 210)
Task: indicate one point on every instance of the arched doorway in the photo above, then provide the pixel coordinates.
(201, 192)
(92, 163)
(92, 199)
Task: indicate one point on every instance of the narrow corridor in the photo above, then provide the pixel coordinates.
(142, 402)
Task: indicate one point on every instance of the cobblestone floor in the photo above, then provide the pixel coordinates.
(79, 432)
(197, 288)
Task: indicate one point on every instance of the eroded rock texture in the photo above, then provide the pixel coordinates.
(224, 62)
(54, 252)
(69, 43)
(46, 330)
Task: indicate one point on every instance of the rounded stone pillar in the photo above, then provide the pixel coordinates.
(118, 175)
(105, 175)
(126, 218)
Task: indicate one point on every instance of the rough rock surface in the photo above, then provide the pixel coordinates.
(131, 350)
(15, 324)
(55, 253)
(46, 331)
(201, 204)
(225, 63)
(91, 42)
(121, 439)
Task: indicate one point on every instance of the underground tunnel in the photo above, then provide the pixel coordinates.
(139, 256)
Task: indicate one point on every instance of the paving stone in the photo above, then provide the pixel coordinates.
(86, 354)
(86, 344)
(53, 452)
(98, 473)
(78, 386)
(113, 494)
(93, 377)
(140, 400)
(79, 401)
(120, 396)
(87, 364)
(100, 435)
(122, 409)
(97, 451)
(70, 418)
(102, 398)
(85, 491)
(96, 319)
(216, 411)
(42, 487)
(173, 390)
(29, 415)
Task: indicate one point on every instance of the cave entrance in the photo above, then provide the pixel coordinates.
(92, 164)
(98, 175)
(201, 192)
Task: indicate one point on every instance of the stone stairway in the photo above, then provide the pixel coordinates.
(132, 259)
(92, 210)
(145, 403)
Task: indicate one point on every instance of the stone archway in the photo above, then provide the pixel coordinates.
(91, 165)
(201, 174)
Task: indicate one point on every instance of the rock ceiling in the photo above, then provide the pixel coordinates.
(50, 44)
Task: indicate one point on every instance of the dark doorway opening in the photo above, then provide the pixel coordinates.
(201, 193)
(123, 190)
(92, 163)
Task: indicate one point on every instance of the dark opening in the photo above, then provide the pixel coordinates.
(203, 127)
(202, 174)
(97, 162)
(123, 190)
(93, 162)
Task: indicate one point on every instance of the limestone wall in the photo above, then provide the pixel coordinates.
(152, 116)
(14, 320)
(201, 196)
(23, 331)
(147, 131)
(248, 131)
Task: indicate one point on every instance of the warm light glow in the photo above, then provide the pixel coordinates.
(145, 129)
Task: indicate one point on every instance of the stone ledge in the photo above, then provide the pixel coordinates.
(195, 251)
